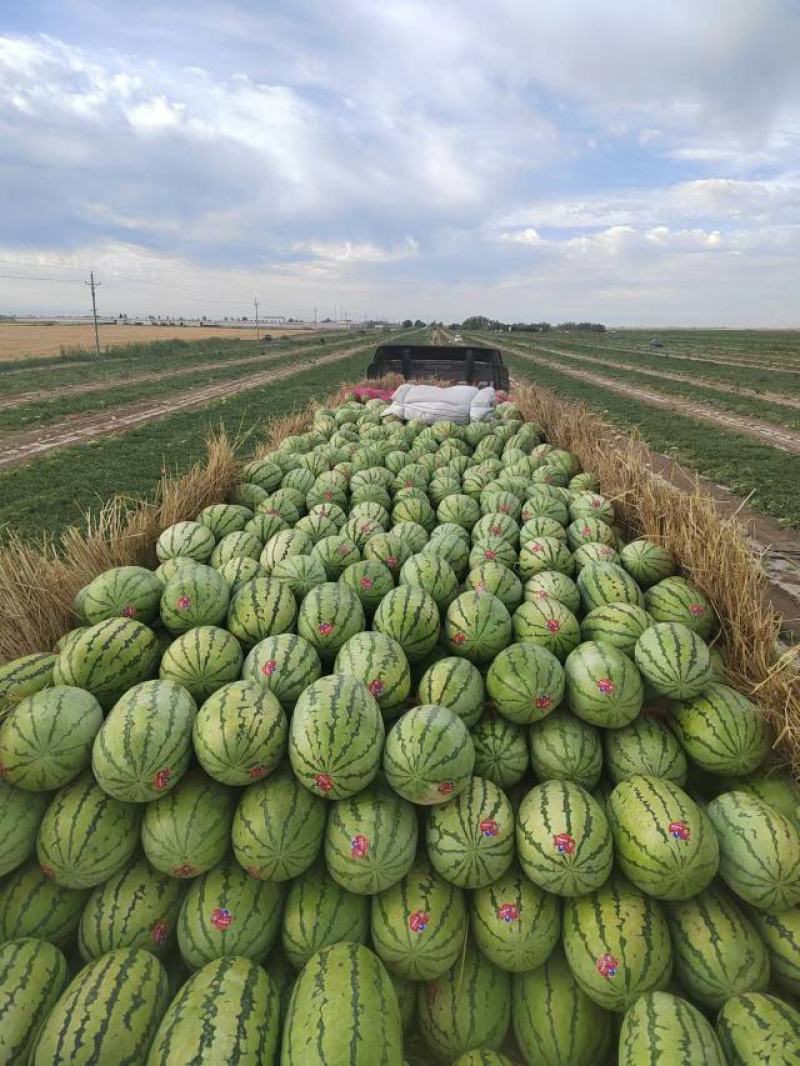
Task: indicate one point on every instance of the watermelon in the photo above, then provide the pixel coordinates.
(555, 1022)
(171, 568)
(663, 842)
(323, 531)
(20, 817)
(722, 731)
(646, 562)
(515, 923)
(468, 1008)
(495, 527)
(329, 615)
(544, 553)
(387, 549)
(673, 660)
(23, 677)
(318, 913)
(583, 504)
(759, 851)
(284, 544)
(470, 841)
(145, 744)
(618, 624)
(202, 660)
(240, 545)
(674, 599)
(603, 687)
(549, 624)
(240, 733)
(33, 974)
(261, 608)
(285, 665)
(718, 952)
(187, 831)
(122, 592)
(278, 828)
(195, 597)
(86, 836)
(617, 944)
(412, 534)
(228, 912)
(460, 509)
(370, 580)
(775, 786)
(563, 839)
(499, 580)
(433, 574)
(31, 905)
(564, 748)
(411, 617)
(501, 552)
(46, 739)
(380, 663)
(428, 756)
(239, 571)
(592, 552)
(456, 684)
(343, 1009)
(543, 526)
(477, 626)
(188, 539)
(545, 506)
(335, 737)
(603, 583)
(661, 1028)
(501, 750)
(264, 473)
(300, 573)
(224, 518)
(646, 746)
(135, 908)
(108, 1014)
(526, 683)
(754, 1028)
(335, 552)
(781, 935)
(554, 585)
(227, 1012)
(406, 1000)
(107, 658)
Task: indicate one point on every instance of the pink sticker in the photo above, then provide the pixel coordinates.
(221, 917)
(418, 922)
(564, 843)
(606, 686)
(489, 827)
(376, 688)
(508, 912)
(161, 778)
(325, 629)
(269, 667)
(359, 846)
(322, 781)
(159, 932)
(680, 830)
(607, 966)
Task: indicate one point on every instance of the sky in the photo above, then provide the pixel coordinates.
(625, 162)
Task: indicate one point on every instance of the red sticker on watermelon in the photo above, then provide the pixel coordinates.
(366, 583)
(184, 603)
(489, 827)
(553, 625)
(606, 686)
(446, 788)
(48, 872)
(376, 688)
(542, 702)
(269, 667)
(607, 966)
(161, 778)
(418, 922)
(696, 609)
(680, 830)
(159, 932)
(221, 918)
(183, 871)
(508, 912)
(359, 846)
(323, 782)
(128, 611)
(564, 843)
(257, 772)
(459, 638)
(325, 629)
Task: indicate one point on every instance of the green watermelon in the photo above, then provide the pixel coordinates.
(646, 746)
(477, 626)
(243, 544)
(428, 756)
(31, 905)
(459, 509)
(499, 580)
(592, 552)
(285, 665)
(387, 549)
(501, 750)
(781, 935)
(563, 839)
(673, 660)
(603, 583)
(264, 473)
(775, 786)
(674, 599)
(122, 592)
(661, 1028)
(603, 686)
(494, 527)
(433, 574)
(261, 608)
(617, 944)
(145, 744)
(228, 912)
(23, 677)
(718, 952)
(646, 562)
(370, 580)
(195, 597)
(240, 733)
(301, 574)
(618, 624)
(380, 663)
(552, 584)
(187, 831)
(343, 1009)
(544, 553)
(135, 908)
(543, 526)
(278, 827)
(108, 1014)
(722, 731)
(515, 923)
(107, 658)
(224, 518)
(318, 913)
(564, 748)
(412, 534)
(336, 553)
(526, 683)
(202, 660)
(501, 552)
(663, 842)
(547, 623)
(756, 1029)
(21, 814)
(33, 974)
(411, 617)
(470, 841)
(187, 539)
(227, 1012)
(759, 851)
(454, 683)
(329, 615)
(46, 739)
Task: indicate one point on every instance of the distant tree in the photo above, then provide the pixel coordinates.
(407, 323)
(419, 324)
(582, 327)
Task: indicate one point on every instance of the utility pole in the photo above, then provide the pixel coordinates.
(315, 318)
(94, 285)
(255, 301)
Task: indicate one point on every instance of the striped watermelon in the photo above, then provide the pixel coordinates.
(477, 626)
(278, 827)
(108, 1014)
(202, 660)
(370, 840)
(515, 924)
(224, 518)
(285, 665)
(754, 1028)
(225, 1013)
(335, 737)
(433, 574)
(460, 509)
(499, 580)
(240, 545)
(228, 912)
(456, 684)
(31, 905)
(673, 660)
(135, 908)
(387, 549)
(318, 913)
(718, 952)
(495, 527)
(549, 624)
(321, 528)
(663, 842)
(428, 756)
(646, 746)
(722, 731)
(23, 677)
(264, 473)
(563, 839)
(240, 733)
(617, 944)
(647, 563)
(343, 1009)
(590, 530)
(411, 617)
(300, 573)
(261, 608)
(781, 935)
(544, 553)
(564, 748)
(86, 836)
(107, 658)
(603, 583)
(470, 841)
(775, 786)
(453, 548)
(188, 831)
(661, 1028)
(554, 585)
(592, 552)
(543, 505)
(329, 615)
(583, 504)
(555, 1022)
(263, 526)
(603, 686)
(618, 624)
(501, 750)
(283, 545)
(543, 526)
(380, 663)
(188, 539)
(412, 534)
(500, 552)
(122, 592)
(674, 599)
(406, 1000)
(468, 1008)
(419, 925)
(46, 739)
(195, 597)
(759, 851)
(33, 974)
(370, 580)
(526, 683)
(335, 553)
(21, 814)
(414, 509)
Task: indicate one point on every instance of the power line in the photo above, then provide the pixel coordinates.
(29, 277)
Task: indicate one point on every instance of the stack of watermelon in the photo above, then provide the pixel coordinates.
(403, 753)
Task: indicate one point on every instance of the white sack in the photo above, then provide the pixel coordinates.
(428, 403)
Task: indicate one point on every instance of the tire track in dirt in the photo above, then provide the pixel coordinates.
(695, 359)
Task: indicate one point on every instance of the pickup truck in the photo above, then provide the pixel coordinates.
(462, 365)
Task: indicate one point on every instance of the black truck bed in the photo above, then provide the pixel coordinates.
(467, 364)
